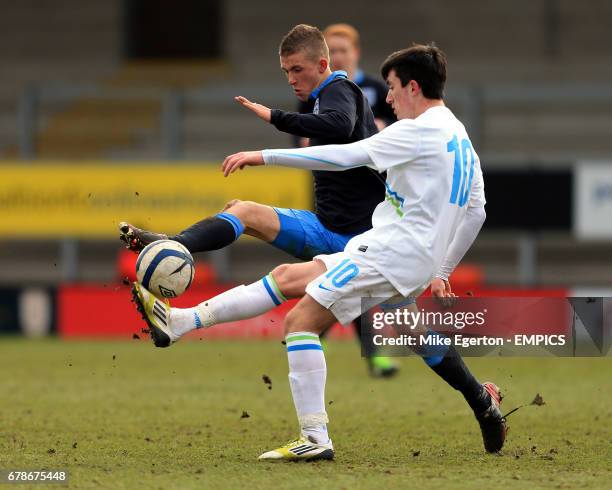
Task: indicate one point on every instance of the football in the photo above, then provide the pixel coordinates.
(165, 268)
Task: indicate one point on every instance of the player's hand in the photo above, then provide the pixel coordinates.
(238, 161)
(442, 293)
(262, 111)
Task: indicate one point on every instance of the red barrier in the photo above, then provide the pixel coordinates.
(98, 311)
(106, 311)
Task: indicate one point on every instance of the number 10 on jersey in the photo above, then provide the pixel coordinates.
(462, 182)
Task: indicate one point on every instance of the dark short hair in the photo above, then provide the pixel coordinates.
(426, 64)
(304, 38)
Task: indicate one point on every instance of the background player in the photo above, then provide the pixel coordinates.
(344, 203)
(345, 52)
(432, 212)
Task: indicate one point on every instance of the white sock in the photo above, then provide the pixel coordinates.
(307, 374)
(235, 304)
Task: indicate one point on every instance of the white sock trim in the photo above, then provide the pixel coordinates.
(313, 419)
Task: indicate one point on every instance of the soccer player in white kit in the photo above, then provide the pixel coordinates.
(432, 212)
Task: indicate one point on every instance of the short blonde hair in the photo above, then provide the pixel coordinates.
(343, 30)
(304, 37)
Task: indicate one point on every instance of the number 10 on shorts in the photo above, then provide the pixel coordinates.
(342, 273)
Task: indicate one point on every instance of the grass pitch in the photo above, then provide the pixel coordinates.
(126, 415)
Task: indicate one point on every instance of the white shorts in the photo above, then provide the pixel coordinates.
(351, 287)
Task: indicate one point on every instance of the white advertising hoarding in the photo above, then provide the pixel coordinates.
(593, 200)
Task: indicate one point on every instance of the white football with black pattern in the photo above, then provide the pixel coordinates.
(165, 268)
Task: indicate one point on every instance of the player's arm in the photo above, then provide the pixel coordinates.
(328, 157)
(468, 229)
(329, 123)
(336, 118)
(395, 145)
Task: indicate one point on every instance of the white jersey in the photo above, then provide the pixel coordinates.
(433, 174)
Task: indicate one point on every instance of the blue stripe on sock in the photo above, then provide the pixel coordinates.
(433, 360)
(270, 291)
(433, 354)
(304, 347)
(235, 222)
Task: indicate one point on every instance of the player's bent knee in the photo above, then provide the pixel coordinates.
(285, 281)
(242, 209)
(292, 279)
(231, 204)
(255, 217)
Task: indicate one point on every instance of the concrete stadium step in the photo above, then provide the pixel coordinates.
(39, 30)
(94, 127)
(53, 41)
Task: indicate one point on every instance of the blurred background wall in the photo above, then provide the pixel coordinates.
(102, 100)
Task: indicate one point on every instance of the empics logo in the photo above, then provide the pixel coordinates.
(539, 340)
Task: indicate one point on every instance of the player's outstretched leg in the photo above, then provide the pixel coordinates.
(167, 325)
(208, 234)
(214, 232)
(484, 399)
(136, 239)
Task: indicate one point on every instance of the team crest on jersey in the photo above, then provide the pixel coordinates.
(315, 109)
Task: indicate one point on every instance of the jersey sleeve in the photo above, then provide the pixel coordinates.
(336, 118)
(464, 237)
(477, 195)
(395, 145)
(327, 157)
